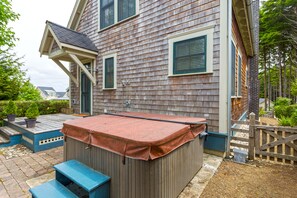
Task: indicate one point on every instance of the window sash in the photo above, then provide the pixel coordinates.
(233, 58)
(109, 73)
(239, 75)
(191, 66)
(126, 9)
(109, 7)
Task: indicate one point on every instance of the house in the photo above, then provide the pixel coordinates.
(193, 58)
(49, 93)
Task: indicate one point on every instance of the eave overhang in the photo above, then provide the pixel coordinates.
(241, 13)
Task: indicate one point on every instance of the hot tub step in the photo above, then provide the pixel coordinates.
(3, 139)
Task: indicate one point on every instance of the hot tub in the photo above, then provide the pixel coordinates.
(146, 155)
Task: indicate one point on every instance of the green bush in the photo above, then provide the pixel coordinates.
(33, 111)
(282, 101)
(10, 108)
(284, 121)
(294, 119)
(44, 106)
(262, 112)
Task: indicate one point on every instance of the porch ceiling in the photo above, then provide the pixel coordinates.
(242, 18)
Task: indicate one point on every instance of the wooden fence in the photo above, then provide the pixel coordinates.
(273, 143)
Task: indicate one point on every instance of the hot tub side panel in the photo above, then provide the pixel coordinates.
(165, 177)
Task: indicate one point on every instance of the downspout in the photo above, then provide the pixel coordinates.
(229, 114)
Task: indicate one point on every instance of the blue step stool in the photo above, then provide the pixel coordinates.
(93, 182)
(74, 179)
(51, 189)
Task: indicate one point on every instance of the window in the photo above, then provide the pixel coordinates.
(191, 52)
(239, 80)
(189, 56)
(113, 11)
(106, 13)
(233, 76)
(126, 8)
(109, 71)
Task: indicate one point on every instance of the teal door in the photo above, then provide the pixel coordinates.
(85, 91)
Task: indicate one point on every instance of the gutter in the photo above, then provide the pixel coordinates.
(251, 23)
(229, 75)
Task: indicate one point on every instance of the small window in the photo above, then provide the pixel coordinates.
(239, 75)
(191, 52)
(109, 71)
(189, 56)
(233, 73)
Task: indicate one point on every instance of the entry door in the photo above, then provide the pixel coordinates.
(86, 91)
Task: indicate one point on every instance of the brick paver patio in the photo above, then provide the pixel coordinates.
(15, 171)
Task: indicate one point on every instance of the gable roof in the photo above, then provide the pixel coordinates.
(60, 94)
(65, 38)
(76, 14)
(45, 90)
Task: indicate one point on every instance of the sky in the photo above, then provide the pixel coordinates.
(29, 30)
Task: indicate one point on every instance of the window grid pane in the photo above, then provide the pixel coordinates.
(189, 56)
(109, 73)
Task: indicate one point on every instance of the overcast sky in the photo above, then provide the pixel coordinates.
(29, 29)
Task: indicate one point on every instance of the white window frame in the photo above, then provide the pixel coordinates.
(116, 14)
(204, 31)
(239, 55)
(106, 56)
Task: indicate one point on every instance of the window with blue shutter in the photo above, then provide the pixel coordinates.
(126, 9)
(189, 56)
(106, 13)
(239, 75)
(109, 73)
(233, 77)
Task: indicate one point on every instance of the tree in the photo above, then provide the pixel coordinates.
(7, 36)
(29, 92)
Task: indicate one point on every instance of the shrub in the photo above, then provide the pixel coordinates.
(282, 101)
(294, 119)
(10, 108)
(33, 111)
(262, 112)
(284, 121)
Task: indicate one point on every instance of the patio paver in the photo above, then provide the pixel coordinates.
(23, 170)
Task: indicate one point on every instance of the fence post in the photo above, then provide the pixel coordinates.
(252, 136)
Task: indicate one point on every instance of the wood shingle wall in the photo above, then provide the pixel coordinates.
(141, 45)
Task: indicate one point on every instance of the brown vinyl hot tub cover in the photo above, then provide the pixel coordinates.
(132, 137)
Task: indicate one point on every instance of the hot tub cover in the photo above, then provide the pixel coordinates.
(133, 137)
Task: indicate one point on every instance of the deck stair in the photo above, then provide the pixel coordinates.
(74, 179)
(9, 136)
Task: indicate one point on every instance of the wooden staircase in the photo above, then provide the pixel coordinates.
(74, 179)
(9, 136)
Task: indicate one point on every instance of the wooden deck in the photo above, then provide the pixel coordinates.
(45, 122)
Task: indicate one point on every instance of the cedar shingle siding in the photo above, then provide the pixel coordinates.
(141, 45)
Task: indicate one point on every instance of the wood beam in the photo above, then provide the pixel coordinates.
(79, 63)
(66, 71)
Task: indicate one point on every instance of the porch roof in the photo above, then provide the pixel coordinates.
(64, 37)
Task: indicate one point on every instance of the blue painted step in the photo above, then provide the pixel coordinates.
(9, 136)
(93, 182)
(51, 189)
